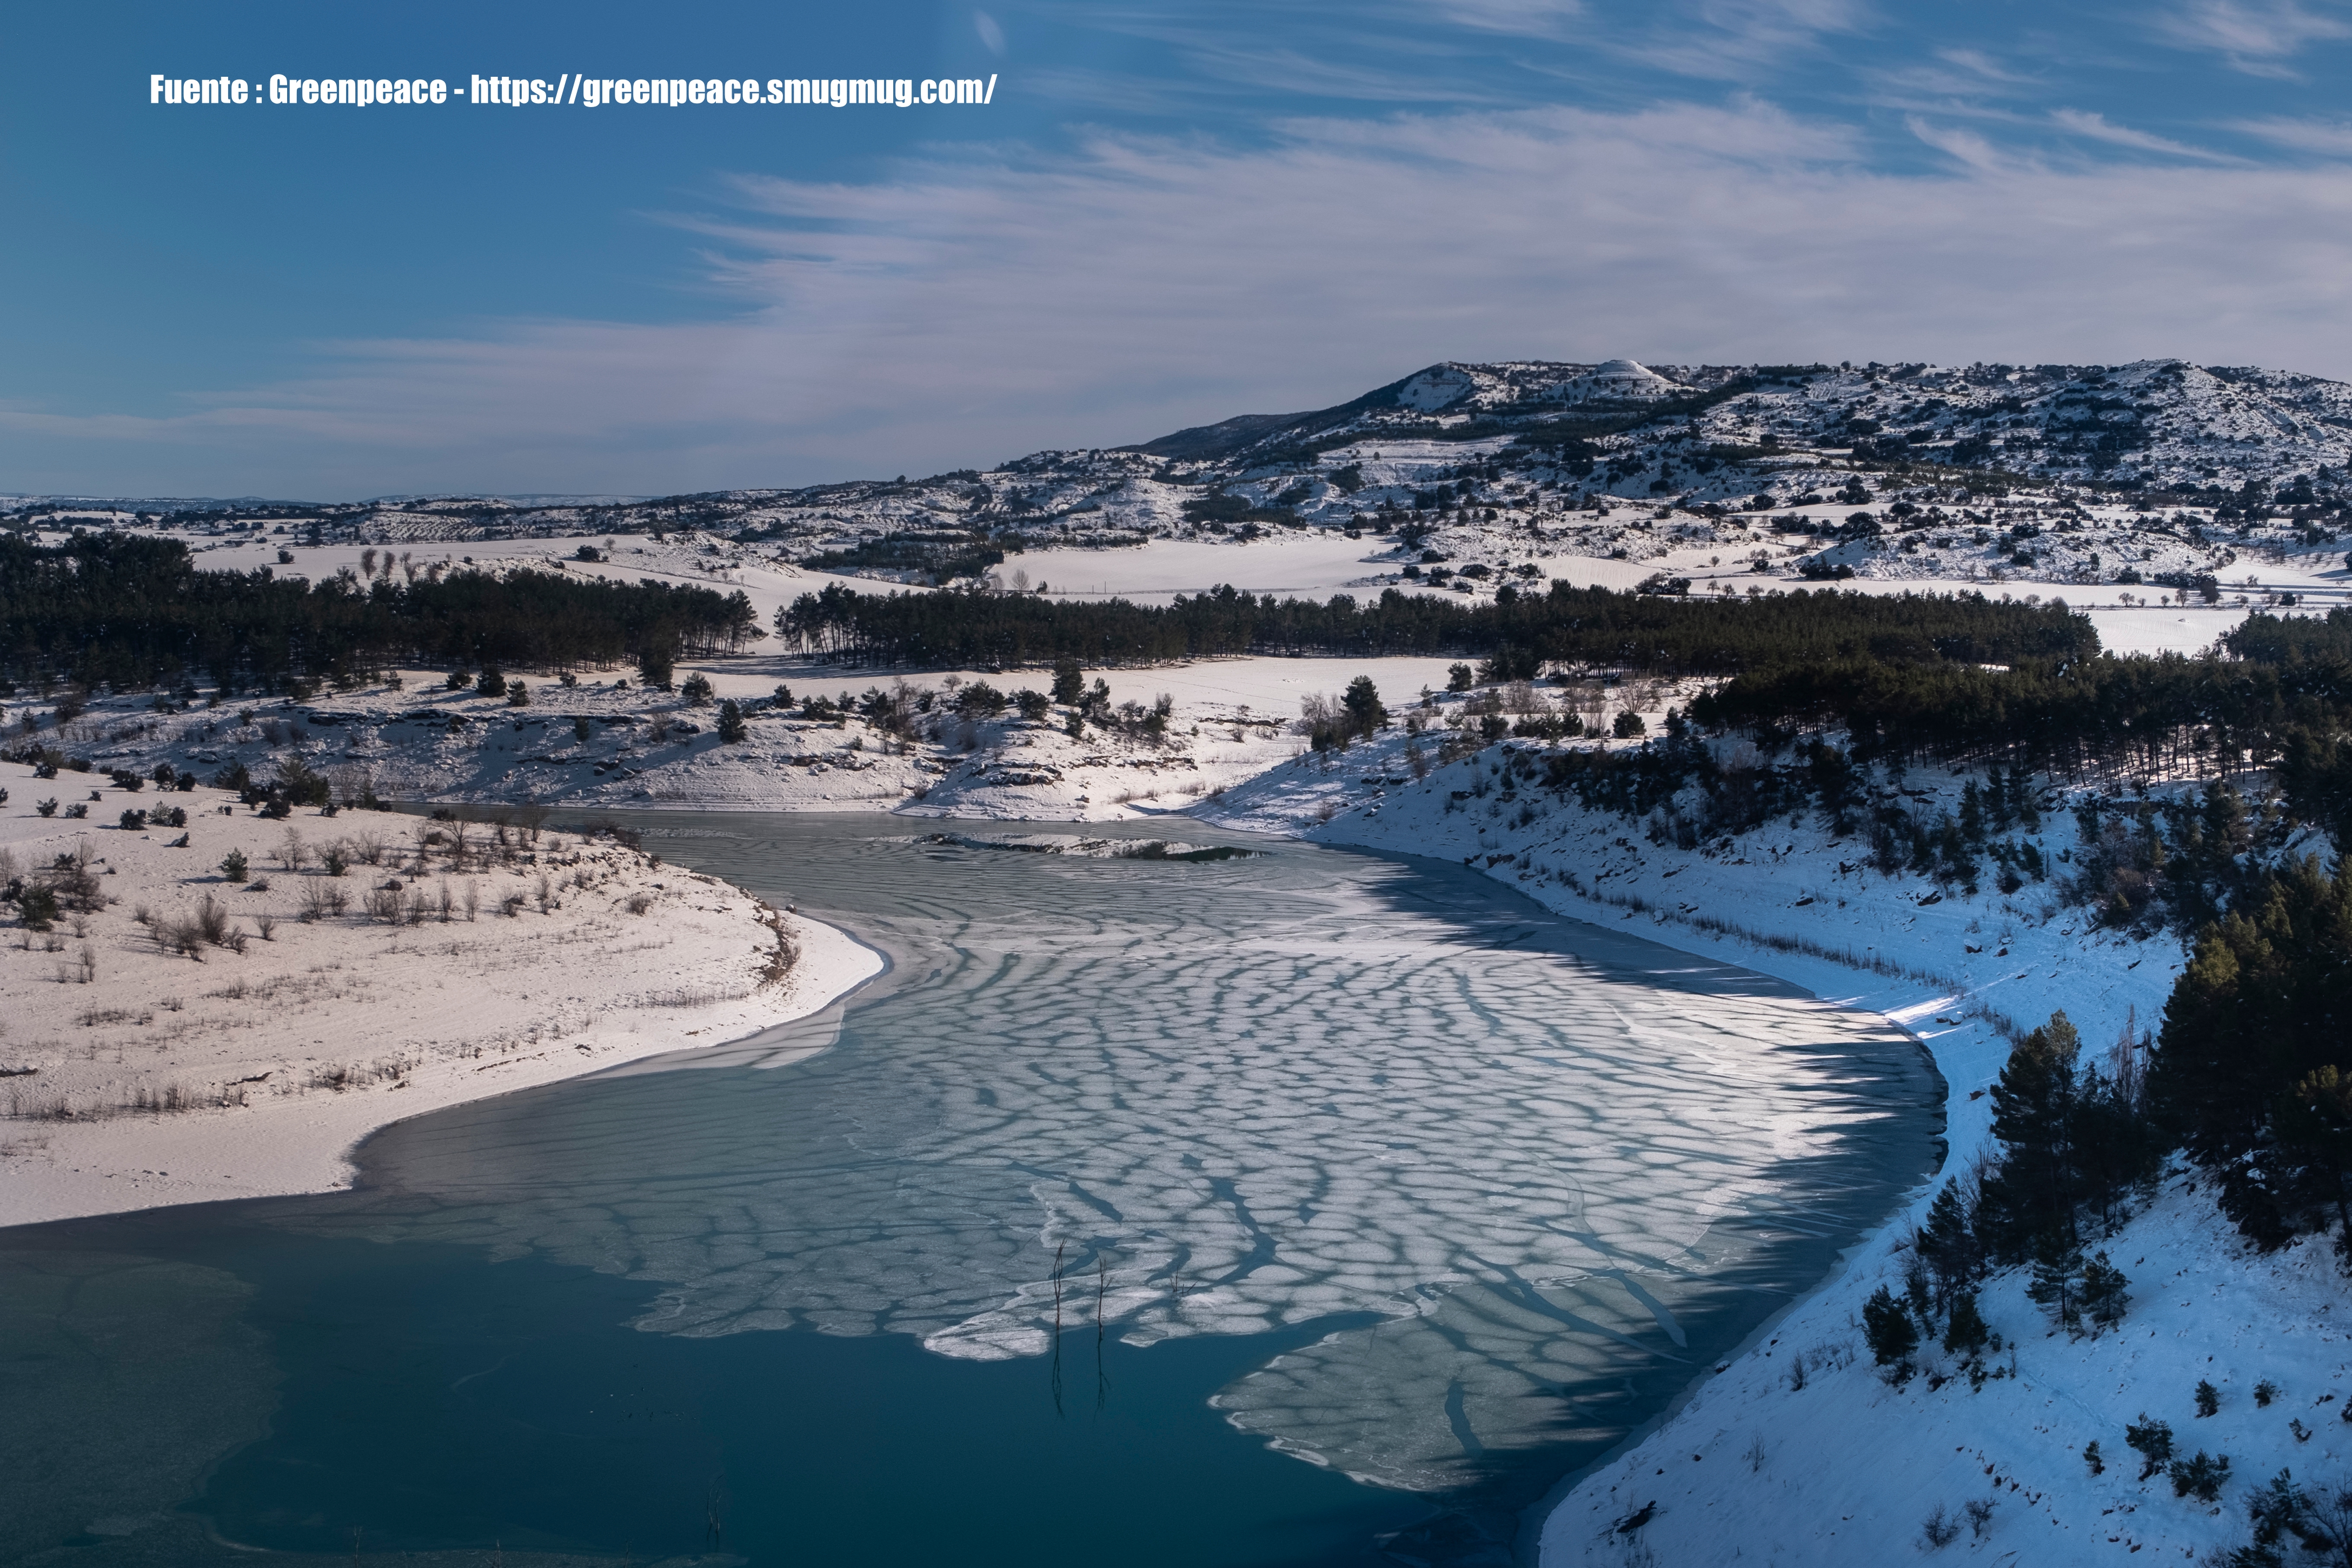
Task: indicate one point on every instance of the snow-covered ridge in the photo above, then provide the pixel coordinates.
(2156, 476)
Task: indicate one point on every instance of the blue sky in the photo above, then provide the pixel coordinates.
(1169, 213)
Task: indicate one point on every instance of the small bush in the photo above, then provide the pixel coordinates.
(731, 728)
(234, 865)
(2264, 1391)
(2202, 1477)
(1979, 1512)
(580, 728)
(696, 689)
(47, 807)
(1629, 725)
(491, 683)
(1889, 1328)
(1966, 1333)
(2209, 1398)
(2153, 1439)
(2091, 1457)
(518, 694)
(37, 906)
(1939, 1529)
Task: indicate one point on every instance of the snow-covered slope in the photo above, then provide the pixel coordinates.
(1832, 1464)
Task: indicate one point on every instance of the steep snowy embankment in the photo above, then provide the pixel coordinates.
(1767, 1463)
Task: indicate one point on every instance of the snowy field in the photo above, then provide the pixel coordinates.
(148, 1061)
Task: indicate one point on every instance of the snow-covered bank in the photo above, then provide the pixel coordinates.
(609, 742)
(1831, 1465)
(179, 1035)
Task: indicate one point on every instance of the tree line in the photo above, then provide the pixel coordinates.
(135, 612)
(1517, 633)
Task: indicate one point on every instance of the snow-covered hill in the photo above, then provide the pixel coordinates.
(2158, 475)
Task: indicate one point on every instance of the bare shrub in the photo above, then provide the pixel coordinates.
(1939, 1529)
(384, 903)
(544, 890)
(473, 899)
(314, 900)
(292, 853)
(266, 924)
(212, 919)
(446, 899)
(184, 936)
(640, 902)
(512, 905)
(368, 847)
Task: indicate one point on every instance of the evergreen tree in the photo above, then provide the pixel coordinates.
(2102, 1292)
(2250, 1068)
(2034, 1191)
(1965, 1334)
(731, 728)
(1887, 1328)
(2057, 1260)
(1362, 705)
(1069, 682)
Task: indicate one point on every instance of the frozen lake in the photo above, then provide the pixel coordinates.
(1304, 1207)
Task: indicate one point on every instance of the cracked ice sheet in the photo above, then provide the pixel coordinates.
(1228, 1097)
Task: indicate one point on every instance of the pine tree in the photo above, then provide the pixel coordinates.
(2057, 1260)
(1363, 705)
(1887, 1328)
(1947, 1244)
(731, 728)
(1965, 1334)
(2035, 1189)
(2102, 1292)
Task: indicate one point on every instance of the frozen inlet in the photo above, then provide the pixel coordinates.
(1549, 1161)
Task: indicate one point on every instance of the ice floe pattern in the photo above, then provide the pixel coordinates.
(1563, 1167)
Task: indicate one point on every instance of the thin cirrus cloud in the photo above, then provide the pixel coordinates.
(2254, 35)
(2096, 128)
(2328, 138)
(969, 311)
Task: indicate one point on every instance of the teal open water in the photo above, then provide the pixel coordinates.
(1301, 1207)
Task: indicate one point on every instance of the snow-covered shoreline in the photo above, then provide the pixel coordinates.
(140, 1071)
(1846, 1468)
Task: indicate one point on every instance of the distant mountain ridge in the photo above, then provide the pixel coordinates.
(1486, 462)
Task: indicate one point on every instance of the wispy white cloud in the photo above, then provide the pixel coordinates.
(2329, 138)
(1737, 40)
(2256, 35)
(1966, 146)
(968, 310)
(2097, 128)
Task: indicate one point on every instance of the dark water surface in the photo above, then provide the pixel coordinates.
(1307, 1207)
